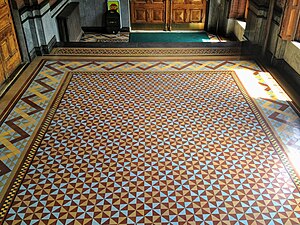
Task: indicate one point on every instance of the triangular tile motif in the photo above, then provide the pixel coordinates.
(28, 111)
(156, 148)
(3, 169)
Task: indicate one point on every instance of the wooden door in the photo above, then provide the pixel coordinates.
(10, 57)
(148, 12)
(188, 11)
(168, 12)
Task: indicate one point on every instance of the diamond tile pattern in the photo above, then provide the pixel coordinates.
(24, 118)
(156, 148)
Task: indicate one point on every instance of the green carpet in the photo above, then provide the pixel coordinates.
(168, 37)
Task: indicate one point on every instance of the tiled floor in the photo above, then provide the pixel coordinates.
(97, 37)
(150, 142)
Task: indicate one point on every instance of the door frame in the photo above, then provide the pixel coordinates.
(207, 15)
(167, 25)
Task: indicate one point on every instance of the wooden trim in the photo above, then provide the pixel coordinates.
(297, 36)
(207, 15)
(237, 9)
(290, 24)
(247, 9)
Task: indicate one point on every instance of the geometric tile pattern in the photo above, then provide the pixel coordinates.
(3, 169)
(50, 74)
(97, 37)
(156, 148)
(18, 124)
(26, 113)
(150, 52)
(282, 116)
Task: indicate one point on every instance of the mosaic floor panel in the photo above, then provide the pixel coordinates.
(161, 142)
(97, 37)
(150, 52)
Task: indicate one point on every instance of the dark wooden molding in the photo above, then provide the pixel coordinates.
(207, 14)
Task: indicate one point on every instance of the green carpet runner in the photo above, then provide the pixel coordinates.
(168, 37)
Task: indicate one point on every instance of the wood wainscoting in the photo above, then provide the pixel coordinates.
(168, 14)
(10, 57)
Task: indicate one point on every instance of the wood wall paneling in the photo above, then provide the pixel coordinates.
(290, 20)
(10, 57)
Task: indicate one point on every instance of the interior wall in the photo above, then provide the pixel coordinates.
(38, 24)
(92, 12)
(281, 51)
(292, 55)
(256, 26)
(218, 21)
(256, 22)
(213, 18)
(125, 7)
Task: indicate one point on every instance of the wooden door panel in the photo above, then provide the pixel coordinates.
(4, 50)
(5, 20)
(179, 16)
(10, 57)
(2, 75)
(12, 43)
(158, 16)
(190, 11)
(147, 11)
(140, 16)
(196, 16)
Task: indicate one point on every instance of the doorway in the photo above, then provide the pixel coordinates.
(168, 14)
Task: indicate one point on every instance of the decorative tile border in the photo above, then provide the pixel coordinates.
(152, 52)
(96, 37)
